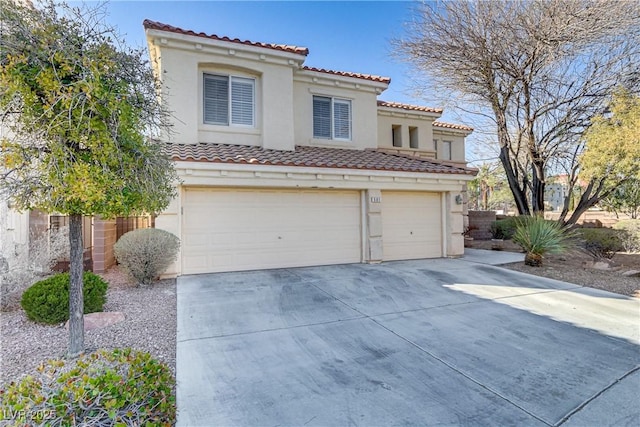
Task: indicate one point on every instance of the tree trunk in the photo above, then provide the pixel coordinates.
(537, 190)
(533, 260)
(76, 298)
(519, 195)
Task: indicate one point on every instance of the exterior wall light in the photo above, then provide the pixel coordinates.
(458, 199)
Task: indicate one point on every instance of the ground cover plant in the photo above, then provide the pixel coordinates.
(121, 387)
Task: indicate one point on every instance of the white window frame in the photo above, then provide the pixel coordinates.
(230, 79)
(334, 100)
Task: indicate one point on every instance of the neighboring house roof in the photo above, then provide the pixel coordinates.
(452, 126)
(305, 156)
(153, 25)
(371, 77)
(399, 105)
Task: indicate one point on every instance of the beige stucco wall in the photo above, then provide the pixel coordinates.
(457, 144)
(364, 133)
(423, 125)
(184, 60)
(284, 118)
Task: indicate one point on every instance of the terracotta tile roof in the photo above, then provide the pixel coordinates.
(304, 156)
(391, 104)
(153, 25)
(452, 126)
(371, 77)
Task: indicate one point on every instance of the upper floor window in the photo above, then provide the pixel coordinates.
(446, 150)
(228, 100)
(331, 118)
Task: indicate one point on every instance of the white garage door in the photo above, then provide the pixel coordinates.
(411, 225)
(247, 229)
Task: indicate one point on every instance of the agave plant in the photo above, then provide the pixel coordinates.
(537, 237)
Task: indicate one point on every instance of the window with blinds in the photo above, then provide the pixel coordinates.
(228, 100)
(331, 118)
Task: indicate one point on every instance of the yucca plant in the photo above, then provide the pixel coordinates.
(537, 237)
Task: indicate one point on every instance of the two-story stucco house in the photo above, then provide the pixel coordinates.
(285, 165)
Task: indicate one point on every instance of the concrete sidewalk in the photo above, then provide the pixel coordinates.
(412, 342)
(483, 256)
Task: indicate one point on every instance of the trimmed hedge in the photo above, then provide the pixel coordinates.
(121, 387)
(146, 253)
(47, 301)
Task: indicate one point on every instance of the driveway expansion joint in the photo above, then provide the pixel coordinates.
(450, 366)
(595, 396)
(467, 376)
(272, 329)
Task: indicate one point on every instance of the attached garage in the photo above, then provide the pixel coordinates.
(411, 225)
(246, 229)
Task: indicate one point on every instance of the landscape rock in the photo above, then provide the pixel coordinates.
(598, 265)
(632, 273)
(100, 320)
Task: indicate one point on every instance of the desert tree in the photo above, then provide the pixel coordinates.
(612, 154)
(79, 111)
(539, 70)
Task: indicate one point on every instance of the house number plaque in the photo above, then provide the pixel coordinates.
(376, 199)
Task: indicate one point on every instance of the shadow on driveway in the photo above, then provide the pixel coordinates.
(442, 341)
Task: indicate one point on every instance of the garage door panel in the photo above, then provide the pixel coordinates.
(411, 225)
(244, 229)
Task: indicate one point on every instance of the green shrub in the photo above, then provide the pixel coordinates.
(122, 387)
(537, 237)
(505, 228)
(629, 234)
(146, 253)
(601, 242)
(47, 301)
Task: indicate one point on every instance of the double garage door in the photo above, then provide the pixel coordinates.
(249, 229)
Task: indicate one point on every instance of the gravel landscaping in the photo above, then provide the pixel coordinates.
(149, 325)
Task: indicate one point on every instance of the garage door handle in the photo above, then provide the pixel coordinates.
(279, 237)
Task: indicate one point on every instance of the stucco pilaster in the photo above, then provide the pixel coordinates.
(454, 206)
(373, 208)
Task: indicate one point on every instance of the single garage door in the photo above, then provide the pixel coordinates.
(248, 229)
(411, 225)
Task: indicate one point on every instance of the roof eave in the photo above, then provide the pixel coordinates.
(396, 111)
(163, 37)
(345, 79)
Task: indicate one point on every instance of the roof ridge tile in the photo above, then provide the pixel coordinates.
(446, 125)
(400, 105)
(371, 77)
(155, 25)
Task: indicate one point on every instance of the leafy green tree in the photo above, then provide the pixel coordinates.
(78, 112)
(611, 159)
(624, 199)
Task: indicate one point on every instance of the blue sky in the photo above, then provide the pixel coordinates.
(341, 35)
(347, 36)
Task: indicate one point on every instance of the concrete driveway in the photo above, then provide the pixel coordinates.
(427, 342)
